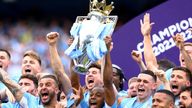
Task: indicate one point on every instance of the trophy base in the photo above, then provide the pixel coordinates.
(80, 69)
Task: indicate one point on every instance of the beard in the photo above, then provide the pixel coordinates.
(51, 95)
(181, 105)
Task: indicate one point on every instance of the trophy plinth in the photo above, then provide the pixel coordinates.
(88, 33)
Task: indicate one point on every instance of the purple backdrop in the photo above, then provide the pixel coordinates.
(170, 18)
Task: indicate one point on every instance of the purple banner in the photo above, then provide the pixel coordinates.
(171, 17)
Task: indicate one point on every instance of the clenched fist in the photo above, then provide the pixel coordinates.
(136, 55)
(52, 38)
(179, 41)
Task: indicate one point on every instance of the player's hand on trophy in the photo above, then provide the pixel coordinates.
(136, 55)
(52, 38)
(179, 41)
(108, 42)
(146, 25)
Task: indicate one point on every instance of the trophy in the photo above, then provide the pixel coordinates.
(89, 33)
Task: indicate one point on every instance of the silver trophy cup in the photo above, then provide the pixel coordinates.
(88, 33)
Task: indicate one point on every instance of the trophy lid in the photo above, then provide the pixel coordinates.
(101, 7)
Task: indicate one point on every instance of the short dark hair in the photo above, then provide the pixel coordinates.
(165, 64)
(187, 71)
(7, 52)
(96, 65)
(168, 93)
(189, 89)
(101, 89)
(52, 77)
(30, 77)
(98, 86)
(151, 73)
